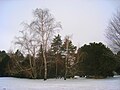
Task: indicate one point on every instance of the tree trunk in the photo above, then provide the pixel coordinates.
(65, 76)
(56, 68)
(66, 60)
(31, 66)
(45, 66)
(34, 69)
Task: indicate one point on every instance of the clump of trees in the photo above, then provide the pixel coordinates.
(96, 61)
(36, 36)
(42, 54)
(93, 61)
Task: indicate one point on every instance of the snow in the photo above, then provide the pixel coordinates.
(9, 83)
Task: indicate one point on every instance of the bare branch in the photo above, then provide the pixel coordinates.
(113, 32)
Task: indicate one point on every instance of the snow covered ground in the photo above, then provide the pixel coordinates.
(8, 83)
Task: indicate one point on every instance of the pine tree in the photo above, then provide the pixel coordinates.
(97, 60)
(56, 50)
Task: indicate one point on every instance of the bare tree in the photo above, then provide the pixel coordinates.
(113, 32)
(38, 34)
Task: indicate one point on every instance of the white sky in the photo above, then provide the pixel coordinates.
(85, 20)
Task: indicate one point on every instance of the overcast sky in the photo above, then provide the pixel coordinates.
(84, 20)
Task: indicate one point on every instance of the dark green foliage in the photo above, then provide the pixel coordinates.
(118, 70)
(4, 60)
(97, 60)
(56, 44)
(56, 63)
(118, 63)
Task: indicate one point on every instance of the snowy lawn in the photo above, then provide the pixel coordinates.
(8, 83)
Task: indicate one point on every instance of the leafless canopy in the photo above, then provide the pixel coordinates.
(39, 32)
(113, 32)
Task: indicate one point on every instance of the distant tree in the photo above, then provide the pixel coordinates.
(4, 60)
(113, 32)
(94, 59)
(38, 34)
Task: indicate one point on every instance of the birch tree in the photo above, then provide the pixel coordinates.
(38, 34)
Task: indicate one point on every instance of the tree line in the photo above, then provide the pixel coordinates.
(93, 60)
(43, 54)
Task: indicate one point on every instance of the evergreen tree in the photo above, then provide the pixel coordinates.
(56, 44)
(97, 60)
(56, 53)
(4, 60)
